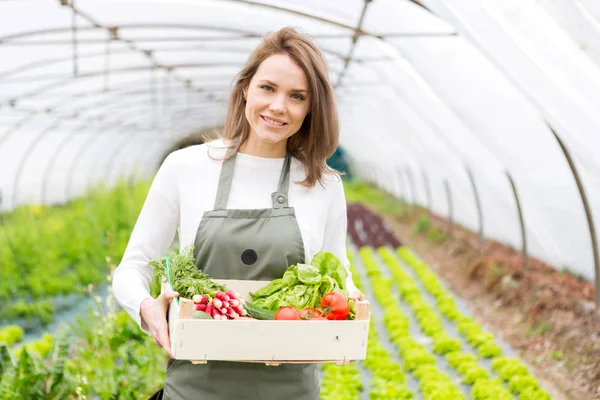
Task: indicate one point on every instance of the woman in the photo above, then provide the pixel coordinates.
(254, 202)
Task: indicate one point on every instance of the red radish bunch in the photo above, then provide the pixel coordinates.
(222, 305)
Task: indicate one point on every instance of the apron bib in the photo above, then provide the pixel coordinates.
(257, 244)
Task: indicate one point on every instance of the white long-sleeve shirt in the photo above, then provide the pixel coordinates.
(185, 187)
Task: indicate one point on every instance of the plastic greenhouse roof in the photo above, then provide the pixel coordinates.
(441, 101)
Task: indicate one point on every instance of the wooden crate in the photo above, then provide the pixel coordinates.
(269, 342)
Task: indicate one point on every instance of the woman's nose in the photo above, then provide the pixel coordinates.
(278, 105)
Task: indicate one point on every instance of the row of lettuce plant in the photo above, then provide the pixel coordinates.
(509, 369)
(387, 376)
(433, 383)
(50, 254)
(341, 382)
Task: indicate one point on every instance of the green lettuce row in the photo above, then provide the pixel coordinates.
(11, 334)
(42, 346)
(464, 364)
(510, 370)
(433, 383)
(387, 376)
(481, 340)
(341, 382)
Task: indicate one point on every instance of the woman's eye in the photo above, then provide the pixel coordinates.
(267, 87)
(298, 96)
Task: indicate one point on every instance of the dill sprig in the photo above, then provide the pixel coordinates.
(186, 278)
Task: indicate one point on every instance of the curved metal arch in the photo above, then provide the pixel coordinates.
(50, 61)
(75, 162)
(76, 95)
(18, 125)
(53, 157)
(100, 158)
(28, 151)
(138, 157)
(114, 155)
(302, 14)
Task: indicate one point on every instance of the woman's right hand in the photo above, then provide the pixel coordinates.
(154, 315)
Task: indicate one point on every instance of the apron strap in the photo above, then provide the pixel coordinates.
(225, 181)
(278, 198)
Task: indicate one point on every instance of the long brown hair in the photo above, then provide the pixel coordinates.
(318, 136)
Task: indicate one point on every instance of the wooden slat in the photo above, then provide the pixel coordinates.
(270, 340)
(363, 310)
(186, 309)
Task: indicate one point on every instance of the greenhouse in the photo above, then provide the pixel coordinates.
(469, 135)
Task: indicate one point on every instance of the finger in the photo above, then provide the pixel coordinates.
(166, 342)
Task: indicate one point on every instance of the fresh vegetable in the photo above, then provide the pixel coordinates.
(335, 306)
(304, 285)
(258, 312)
(201, 315)
(185, 277)
(287, 313)
(310, 313)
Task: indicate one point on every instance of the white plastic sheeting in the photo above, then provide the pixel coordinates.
(427, 98)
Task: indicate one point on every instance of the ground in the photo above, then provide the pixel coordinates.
(547, 316)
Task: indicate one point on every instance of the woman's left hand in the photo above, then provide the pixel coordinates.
(356, 295)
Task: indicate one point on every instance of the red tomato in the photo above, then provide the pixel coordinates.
(310, 313)
(335, 305)
(287, 313)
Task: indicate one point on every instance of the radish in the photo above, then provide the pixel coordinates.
(226, 304)
(244, 312)
(226, 297)
(234, 303)
(224, 311)
(238, 309)
(217, 303)
(232, 294)
(197, 298)
(209, 309)
(220, 296)
(216, 314)
(200, 307)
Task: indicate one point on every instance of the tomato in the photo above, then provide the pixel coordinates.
(310, 313)
(335, 305)
(287, 313)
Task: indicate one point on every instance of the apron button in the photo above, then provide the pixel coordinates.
(280, 200)
(249, 257)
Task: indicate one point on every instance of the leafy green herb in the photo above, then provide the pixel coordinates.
(185, 277)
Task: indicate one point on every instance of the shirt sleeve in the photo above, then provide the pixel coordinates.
(151, 238)
(336, 226)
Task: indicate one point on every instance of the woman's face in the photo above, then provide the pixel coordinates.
(277, 100)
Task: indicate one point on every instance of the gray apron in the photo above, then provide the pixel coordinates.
(246, 245)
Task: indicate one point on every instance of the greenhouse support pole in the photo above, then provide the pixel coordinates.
(74, 39)
(477, 203)
(588, 214)
(402, 185)
(521, 222)
(427, 189)
(411, 184)
(450, 211)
